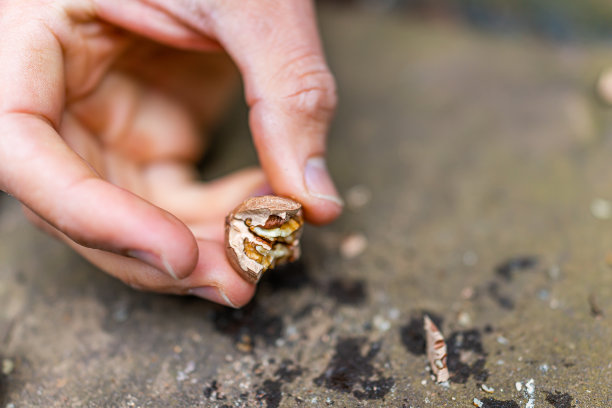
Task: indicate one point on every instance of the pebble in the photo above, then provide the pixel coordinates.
(467, 293)
(601, 209)
(488, 389)
(358, 197)
(353, 245)
(530, 387)
(529, 391)
(381, 323)
(502, 340)
(518, 385)
(190, 367)
(464, 319)
(7, 366)
(394, 314)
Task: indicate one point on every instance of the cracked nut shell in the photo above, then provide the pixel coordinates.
(261, 233)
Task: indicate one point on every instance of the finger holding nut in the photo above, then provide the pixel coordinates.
(261, 233)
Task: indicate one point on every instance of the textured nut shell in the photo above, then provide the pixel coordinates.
(258, 210)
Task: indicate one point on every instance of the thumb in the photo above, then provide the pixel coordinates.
(291, 93)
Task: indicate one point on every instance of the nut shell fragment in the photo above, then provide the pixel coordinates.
(436, 350)
(261, 233)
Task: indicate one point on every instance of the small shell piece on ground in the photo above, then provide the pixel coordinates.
(436, 350)
(478, 403)
(353, 245)
(488, 389)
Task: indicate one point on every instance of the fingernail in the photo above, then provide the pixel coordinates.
(153, 260)
(263, 190)
(318, 182)
(214, 294)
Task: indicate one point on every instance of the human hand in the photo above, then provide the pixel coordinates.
(99, 137)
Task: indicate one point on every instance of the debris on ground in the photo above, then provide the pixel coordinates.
(353, 245)
(436, 350)
(488, 389)
(7, 366)
(358, 196)
(601, 209)
(530, 393)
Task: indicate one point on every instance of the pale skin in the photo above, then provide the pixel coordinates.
(102, 103)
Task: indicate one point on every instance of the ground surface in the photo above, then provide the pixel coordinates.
(477, 161)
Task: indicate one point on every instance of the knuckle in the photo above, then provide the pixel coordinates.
(309, 86)
(314, 94)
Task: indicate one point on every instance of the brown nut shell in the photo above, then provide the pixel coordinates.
(261, 233)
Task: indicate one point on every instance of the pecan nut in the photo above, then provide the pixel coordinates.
(261, 233)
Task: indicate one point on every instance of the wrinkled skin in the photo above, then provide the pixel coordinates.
(101, 106)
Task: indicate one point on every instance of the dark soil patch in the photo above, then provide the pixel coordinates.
(493, 403)
(504, 301)
(252, 323)
(466, 356)
(347, 292)
(350, 371)
(559, 400)
(518, 263)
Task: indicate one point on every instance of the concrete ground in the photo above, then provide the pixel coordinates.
(476, 171)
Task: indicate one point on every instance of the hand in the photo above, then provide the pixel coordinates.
(98, 136)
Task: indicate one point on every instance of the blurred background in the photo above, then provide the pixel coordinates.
(558, 20)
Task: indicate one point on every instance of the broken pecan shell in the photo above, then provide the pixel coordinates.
(262, 233)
